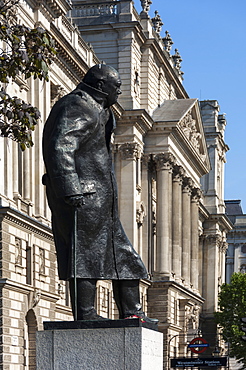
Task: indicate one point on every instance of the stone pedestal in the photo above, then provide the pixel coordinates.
(92, 347)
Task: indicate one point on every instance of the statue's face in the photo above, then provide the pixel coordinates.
(112, 87)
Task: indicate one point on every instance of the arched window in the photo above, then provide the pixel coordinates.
(30, 340)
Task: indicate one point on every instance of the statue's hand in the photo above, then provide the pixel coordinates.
(75, 200)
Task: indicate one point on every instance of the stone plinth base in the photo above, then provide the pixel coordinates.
(110, 348)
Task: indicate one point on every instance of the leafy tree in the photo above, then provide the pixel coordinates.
(26, 52)
(232, 305)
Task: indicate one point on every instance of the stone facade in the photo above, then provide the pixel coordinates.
(164, 144)
(236, 253)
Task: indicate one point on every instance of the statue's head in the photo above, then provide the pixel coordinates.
(106, 79)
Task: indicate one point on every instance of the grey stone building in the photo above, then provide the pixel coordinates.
(236, 238)
(169, 156)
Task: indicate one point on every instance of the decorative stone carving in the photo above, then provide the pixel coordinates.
(136, 84)
(188, 184)
(164, 160)
(177, 60)
(146, 160)
(36, 297)
(154, 216)
(214, 239)
(178, 173)
(224, 247)
(157, 22)
(130, 151)
(18, 252)
(196, 194)
(41, 261)
(192, 317)
(146, 5)
(140, 213)
(188, 126)
(168, 42)
(242, 269)
(57, 92)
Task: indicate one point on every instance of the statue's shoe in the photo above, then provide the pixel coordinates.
(143, 318)
(91, 315)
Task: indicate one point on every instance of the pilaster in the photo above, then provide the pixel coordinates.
(194, 272)
(186, 229)
(130, 152)
(178, 174)
(164, 165)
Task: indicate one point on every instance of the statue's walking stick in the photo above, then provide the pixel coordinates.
(75, 263)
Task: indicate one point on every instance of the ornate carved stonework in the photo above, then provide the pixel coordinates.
(18, 252)
(140, 213)
(177, 60)
(214, 239)
(146, 5)
(154, 216)
(192, 317)
(36, 297)
(168, 42)
(130, 151)
(157, 22)
(146, 160)
(178, 173)
(164, 160)
(224, 247)
(137, 83)
(196, 194)
(188, 184)
(188, 126)
(57, 92)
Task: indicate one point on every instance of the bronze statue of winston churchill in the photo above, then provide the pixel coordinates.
(82, 194)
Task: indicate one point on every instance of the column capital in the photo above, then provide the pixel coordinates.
(196, 194)
(130, 151)
(214, 239)
(188, 184)
(146, 158)
(164, 161)
(178, 173)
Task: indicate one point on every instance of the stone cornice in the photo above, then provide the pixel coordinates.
(55, 7)
(26, 289)
(66, 53)
(203, 212)
(138, 117)
(223, 221)
(175, 285)
(25, 222)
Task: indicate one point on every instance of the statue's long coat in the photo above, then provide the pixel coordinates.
(76, 150)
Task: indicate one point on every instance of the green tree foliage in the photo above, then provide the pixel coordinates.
(232, 305)
(25, 52)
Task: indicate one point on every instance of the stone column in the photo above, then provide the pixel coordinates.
(212, 243)
(146, 199)
(194, 271)
(15, 171)
(26, 175)
(129, 153)
(178, 173)
(164, 163)
(186, 229)
(224, 247)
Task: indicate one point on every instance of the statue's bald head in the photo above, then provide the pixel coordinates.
(107, 80)
(99, 72)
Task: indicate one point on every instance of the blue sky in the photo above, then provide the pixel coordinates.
(210, 36)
